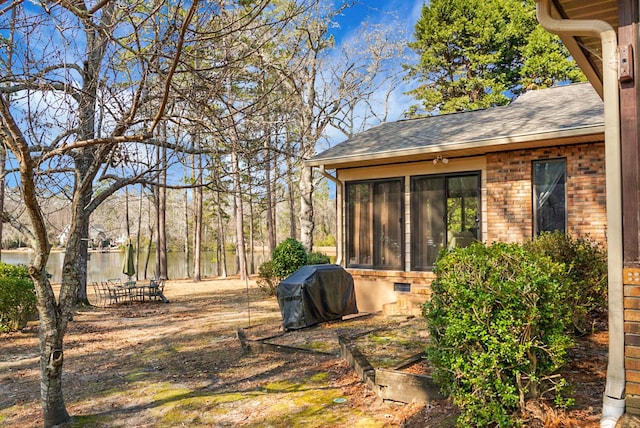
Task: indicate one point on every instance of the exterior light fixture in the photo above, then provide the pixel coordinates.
(439, 158)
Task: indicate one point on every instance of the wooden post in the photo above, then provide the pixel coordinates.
(628, 76)
(628, 43)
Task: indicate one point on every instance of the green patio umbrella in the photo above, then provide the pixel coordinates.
(129, 266)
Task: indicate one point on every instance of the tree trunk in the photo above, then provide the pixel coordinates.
(52, 328)
(252, 250)
(86, 163)
(186, 243)
(81, 258)
(156, 203)
(53, 324)
(51, 360)
(53, 316)
(306, 208)
(239, 217)
(269, 188)
(220, 241)
(126, 212)
(252, 267)
(161, 224)
(291, 198)
(197, 223)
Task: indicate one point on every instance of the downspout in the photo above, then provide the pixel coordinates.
(339, 213)
(614, 395)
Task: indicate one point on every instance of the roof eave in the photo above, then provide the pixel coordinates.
(592, 74)
(466, 148)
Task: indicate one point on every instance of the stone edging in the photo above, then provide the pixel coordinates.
(393, 385)
(388, 384)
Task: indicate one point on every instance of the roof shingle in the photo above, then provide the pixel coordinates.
(529, 117)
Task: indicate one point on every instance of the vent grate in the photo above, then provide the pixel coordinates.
(403, 287)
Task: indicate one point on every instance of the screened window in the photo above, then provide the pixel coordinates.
(549, 195)
(374, 224)
(445, 211)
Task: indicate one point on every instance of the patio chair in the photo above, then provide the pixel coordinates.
(101, 298)
(156, 290)
(113, 292)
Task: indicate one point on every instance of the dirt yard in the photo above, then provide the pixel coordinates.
(181, 364)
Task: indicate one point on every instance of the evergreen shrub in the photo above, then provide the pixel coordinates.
(17, 297)
(497, 321)
(267, 281)
(288, 257)
(317, 258)
(586, 265)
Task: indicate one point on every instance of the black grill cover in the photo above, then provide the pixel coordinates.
(316, 293)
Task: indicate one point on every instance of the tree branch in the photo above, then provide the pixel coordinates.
(174, 66)
(5, 217)
(11, 6)
(94, 142)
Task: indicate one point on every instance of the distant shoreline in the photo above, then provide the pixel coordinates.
(53, 250)
(329, 251)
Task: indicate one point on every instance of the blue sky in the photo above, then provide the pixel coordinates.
(403, 13)
(380, 11)
(400, 14)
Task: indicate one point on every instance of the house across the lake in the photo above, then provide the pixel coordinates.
(408, 188)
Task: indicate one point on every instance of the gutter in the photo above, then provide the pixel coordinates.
(339, 213)
(614, 395)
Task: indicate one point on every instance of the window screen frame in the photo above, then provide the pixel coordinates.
(376, 256)
(534, 195)
(417, 265)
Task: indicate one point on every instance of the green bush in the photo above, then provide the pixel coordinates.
(267, 281)
(317, 258)
(288, 257)
(15, 271)
(586, 265)
(17, 297)
(497, 321)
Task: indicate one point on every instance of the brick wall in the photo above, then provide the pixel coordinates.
(375, 289)
(509, 212)
(509, 192)
(632, 338)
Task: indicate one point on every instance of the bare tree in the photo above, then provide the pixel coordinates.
(161, 208)
(326, 87)
(197, 219)
(235, 109)
(52, 135)
(98, 84)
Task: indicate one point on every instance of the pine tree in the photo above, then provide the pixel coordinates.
(476, 54)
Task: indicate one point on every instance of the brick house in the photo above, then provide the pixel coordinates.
(406, 189)
(602, 36)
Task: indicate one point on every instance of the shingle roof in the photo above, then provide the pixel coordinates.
(571, 109)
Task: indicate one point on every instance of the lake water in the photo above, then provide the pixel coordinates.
(103, 266)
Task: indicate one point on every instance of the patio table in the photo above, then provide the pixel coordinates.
(133, 291)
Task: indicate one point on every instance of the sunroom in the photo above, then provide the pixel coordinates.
(407, 189)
